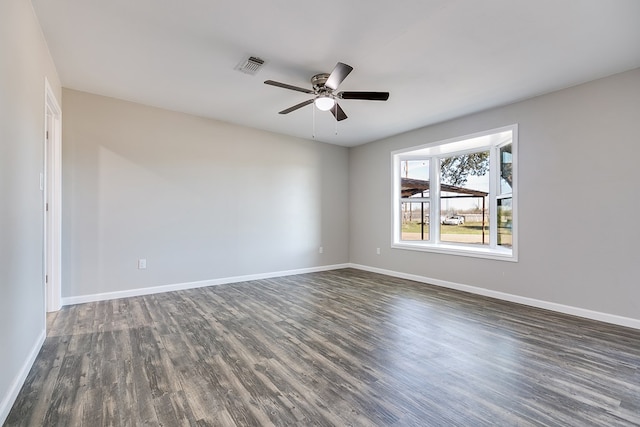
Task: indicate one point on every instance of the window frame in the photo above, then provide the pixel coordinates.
(434, 152)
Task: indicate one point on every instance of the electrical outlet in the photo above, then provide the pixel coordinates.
(142, 264)
(377, 251)
(320, 250)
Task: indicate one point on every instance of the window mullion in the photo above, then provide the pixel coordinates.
(434, 193)
(494, 179)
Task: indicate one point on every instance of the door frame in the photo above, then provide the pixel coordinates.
(52, 195)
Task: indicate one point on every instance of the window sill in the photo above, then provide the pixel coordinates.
(501, 254)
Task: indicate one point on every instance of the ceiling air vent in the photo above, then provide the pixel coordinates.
(250, 65)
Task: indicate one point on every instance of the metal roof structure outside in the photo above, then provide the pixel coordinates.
(412, 186)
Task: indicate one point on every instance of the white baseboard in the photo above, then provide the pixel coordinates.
(193, 285)
(560, 308)
(9, 399)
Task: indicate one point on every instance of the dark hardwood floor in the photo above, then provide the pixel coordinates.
(337, 348)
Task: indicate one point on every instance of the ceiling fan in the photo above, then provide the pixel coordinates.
(323, 87)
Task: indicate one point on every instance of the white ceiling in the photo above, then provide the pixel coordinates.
(439, 59)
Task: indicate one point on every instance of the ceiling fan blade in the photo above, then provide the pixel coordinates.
(286, 86)
(295, 107)
(338, 113)
(368, 96)
(339, 73)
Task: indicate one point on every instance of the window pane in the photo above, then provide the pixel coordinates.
(505, 222)
(415, 178)
(415, 221)
(506, 169)
(464, 187)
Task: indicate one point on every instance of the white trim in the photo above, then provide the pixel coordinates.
(53, 229)
(434, 146)
(17, 383)
(560, 308)
(193, 285)
(515, 211)
(461, 249)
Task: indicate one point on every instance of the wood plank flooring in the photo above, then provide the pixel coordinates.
(337, 348)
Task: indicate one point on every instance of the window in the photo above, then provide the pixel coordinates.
(415, 200)
(458, 196)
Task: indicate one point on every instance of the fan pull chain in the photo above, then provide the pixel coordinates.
(313, 128)
(336, 107)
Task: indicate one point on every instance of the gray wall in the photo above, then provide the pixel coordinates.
(199, 199)
(24, 63)
(578, 152)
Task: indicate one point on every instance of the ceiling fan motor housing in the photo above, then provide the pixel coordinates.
(318, 82)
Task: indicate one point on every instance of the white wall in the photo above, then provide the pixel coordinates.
(199, 199)
(24, 63)
(579, 151)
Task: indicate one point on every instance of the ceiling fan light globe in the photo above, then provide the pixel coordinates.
(324, 103)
